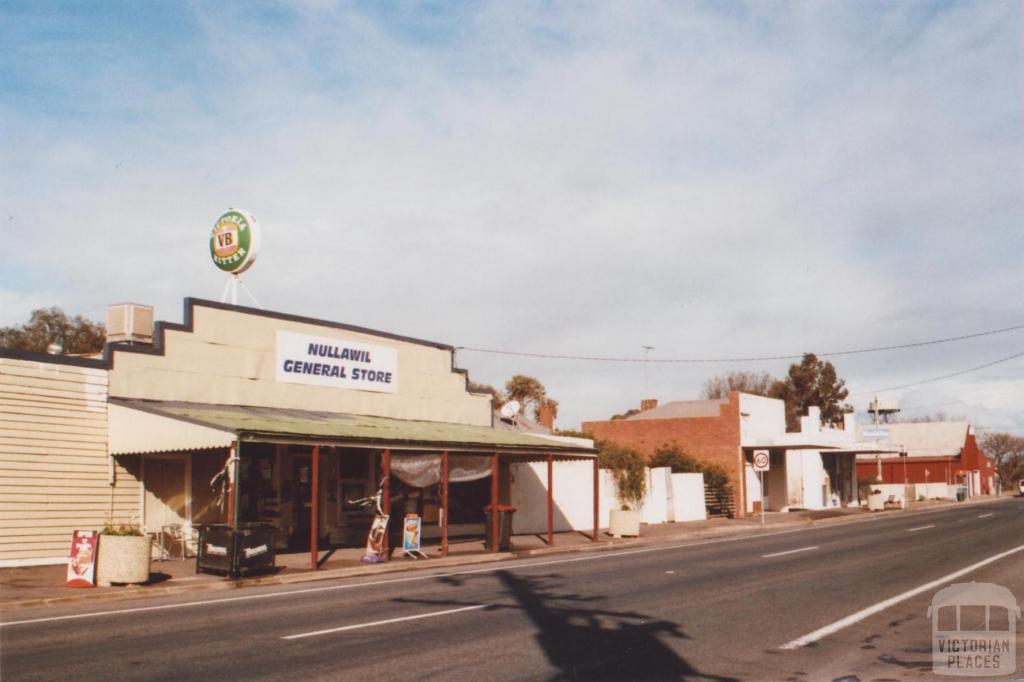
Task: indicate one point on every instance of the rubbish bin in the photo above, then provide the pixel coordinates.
(504, 527)
(961, 495)
(233, 552)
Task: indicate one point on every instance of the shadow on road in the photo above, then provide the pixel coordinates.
(585, 642)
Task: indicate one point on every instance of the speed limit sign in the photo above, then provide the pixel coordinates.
(761, 460)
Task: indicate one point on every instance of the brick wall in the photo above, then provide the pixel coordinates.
(714, 439)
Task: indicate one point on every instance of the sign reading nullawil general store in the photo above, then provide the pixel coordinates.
(326, 361)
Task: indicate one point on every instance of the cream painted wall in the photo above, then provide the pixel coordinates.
(760, 418)
(230, 357)
(54, 469)
(688, 498)
(678, 497)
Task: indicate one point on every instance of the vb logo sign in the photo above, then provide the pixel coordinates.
(974, 630)
(234, 241)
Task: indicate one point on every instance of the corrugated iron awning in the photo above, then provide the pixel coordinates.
(133, 431)
(268, 424)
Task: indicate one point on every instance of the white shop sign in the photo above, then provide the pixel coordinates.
(326, 361)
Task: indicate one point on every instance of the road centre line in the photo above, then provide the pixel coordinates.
(792, 551)
(911, 530)
(985, 516)
(433, 576)
(383, 622)
(842, 623)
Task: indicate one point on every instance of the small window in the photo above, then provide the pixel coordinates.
(946, 622)
(999, 618)
(972, 618)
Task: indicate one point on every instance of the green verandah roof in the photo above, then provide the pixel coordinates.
(256, 423)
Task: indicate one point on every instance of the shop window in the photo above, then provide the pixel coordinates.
(258, 500)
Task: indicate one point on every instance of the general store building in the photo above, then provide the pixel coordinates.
(242, 415)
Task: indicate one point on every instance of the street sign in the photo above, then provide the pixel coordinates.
(762, 462)
(875, 432)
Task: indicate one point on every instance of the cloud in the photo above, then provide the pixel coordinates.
(580, 179)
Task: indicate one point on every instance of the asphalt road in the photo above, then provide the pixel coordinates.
(717, 610)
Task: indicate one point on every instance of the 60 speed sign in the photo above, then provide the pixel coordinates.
(761, 460)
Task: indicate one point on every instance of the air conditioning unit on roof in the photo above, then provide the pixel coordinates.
(131, 322)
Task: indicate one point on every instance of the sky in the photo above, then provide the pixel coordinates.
(711, 179)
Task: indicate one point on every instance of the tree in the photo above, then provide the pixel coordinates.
(629, 469)
(681, 462)
(549, 403)
(47, 326)
(527, 391)
(937, 417)
(626, 415)
(496, 399)
(755, 383)
(1008, 451)
(812, 383)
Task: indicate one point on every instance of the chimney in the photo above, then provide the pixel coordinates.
(546, 417)
(648, 404)
(130, 322)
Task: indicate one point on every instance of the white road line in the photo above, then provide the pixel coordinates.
(792, 551)
(985, 516)
(383, 622)
(891, 601)
(500, 566)
(911, 530)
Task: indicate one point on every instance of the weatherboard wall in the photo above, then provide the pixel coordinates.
(54, 467)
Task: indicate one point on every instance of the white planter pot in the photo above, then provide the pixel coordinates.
(122, 559)
(624, 523)
(876, 502)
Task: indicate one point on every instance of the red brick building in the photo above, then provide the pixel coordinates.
(707, 429)
(813, 468)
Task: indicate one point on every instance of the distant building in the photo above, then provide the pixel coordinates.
(811, 469)
(936, 452)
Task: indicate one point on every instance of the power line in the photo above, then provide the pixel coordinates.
(966, 401)
(945, 376)
(876, 349)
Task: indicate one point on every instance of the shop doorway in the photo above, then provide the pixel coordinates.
(302, 502)
(164, 480)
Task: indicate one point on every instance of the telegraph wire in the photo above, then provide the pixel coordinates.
(966, 401)
(762, 358)
(945, 376)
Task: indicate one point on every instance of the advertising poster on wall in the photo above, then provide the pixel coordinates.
(82, 559)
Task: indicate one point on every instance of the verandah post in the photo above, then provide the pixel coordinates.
(444, 503)
(494, 502)
(385, 499)
(551, 502)
(314, 510)
(597, 507)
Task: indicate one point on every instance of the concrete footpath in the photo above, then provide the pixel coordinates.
(36, 586)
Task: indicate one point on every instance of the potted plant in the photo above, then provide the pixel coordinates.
(123, 555)
(630, 472)
(876, 500)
